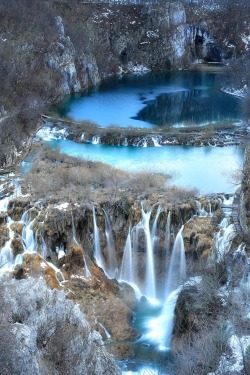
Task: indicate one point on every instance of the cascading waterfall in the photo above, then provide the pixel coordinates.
(30, 245)
(201, 211)
(6, 253)
(177, 267)
(112, 265)
(223, 240)
(97, 246)
(168, 237)
(149, 291)
(44, 248)
(74, 231)
(127, 272)
(154, 228)
(156, 141)
(160, 329)
(96, 140)
(87, 270)
(7, 258)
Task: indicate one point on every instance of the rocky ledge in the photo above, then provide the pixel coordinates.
(222, 134)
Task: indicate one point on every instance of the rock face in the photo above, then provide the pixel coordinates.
(43, 333)
(126, 38)
(245, 196)
(198, 236)
(197, 306)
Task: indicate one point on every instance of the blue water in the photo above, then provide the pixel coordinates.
(208, 169)
(171, 99)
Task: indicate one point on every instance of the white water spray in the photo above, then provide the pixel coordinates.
(127, 272)
(177, 266)
(149, 291)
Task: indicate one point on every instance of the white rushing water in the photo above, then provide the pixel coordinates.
(127, 271)
(97, 246)
(149, 291)
(112, 265)
(158, 330)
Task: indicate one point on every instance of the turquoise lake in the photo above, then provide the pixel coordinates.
(208, 169)
(181, 98)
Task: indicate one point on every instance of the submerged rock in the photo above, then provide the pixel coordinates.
(43, 333)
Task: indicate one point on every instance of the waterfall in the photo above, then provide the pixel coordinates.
(223, 240)
(57, 271)
(96, 140)
(168, 235)
(87, 270)
(160, 329)
(154, 227)
(210, 209)
(127, 272)
(201, 211)
(108, 335)
(97, 246)
(149, 290)
(177, 266)
(125, 143)
(30, 245)
(155, 141)
(112, 266)
(6, 253)
(74, 231)
(44, 248)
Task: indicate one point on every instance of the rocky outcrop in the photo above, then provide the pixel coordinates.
(154, 37)
(245, 196)
(86, 132)
(43, 333)
(107, 306)
(197, 307)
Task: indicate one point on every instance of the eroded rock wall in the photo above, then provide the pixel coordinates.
(245, 196)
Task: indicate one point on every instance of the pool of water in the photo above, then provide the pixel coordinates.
(181, 98)
(208, 169)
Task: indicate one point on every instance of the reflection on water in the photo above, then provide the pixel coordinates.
(190, 107)
(177, 98)
(208, 169)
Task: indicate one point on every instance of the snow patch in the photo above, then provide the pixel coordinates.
(241, 93)
(62, 206)
(246, 40)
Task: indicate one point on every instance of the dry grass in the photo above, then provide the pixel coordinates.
(57, 177)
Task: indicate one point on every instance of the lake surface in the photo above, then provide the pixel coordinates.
(208, 169)
(180, 98)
